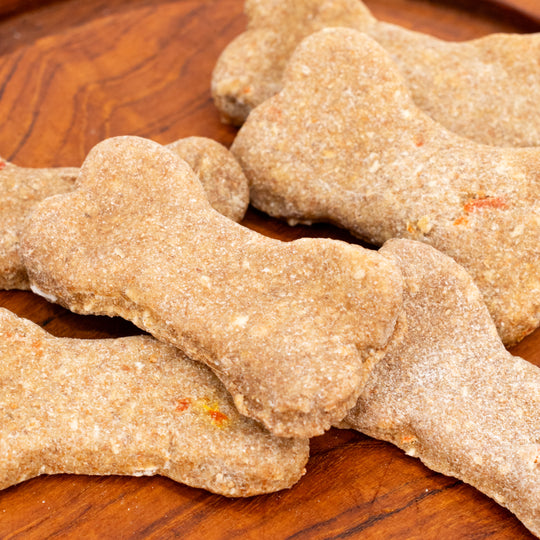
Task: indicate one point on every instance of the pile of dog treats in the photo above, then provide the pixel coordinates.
(423, 147)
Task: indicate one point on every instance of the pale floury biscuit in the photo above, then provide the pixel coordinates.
(343, 142)
(291, 329)
(21, 188)
(130, 406)
(449, 393)
(487, 89)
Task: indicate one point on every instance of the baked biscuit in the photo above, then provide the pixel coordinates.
(449, 393)
(21, 188)
(291, 329)
(131, 406)
(487, 89)
(220, 174)
(343, 142)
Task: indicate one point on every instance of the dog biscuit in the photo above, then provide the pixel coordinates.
(221, 176)
(21, 189)
(344, 143)
(291, 329)
(449, 393)
(487, 89)
(130, 406)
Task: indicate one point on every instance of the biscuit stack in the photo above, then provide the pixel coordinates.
(259, 344)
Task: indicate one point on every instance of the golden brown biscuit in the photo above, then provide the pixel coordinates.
(291, 329)
(221, 176)
(343, 142)
(20, 190)
(487, 89)
(449, 393)
(129, 406)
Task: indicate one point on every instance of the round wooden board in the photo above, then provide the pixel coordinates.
(73, 73)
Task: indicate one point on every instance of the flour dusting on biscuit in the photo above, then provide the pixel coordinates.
(449, 393)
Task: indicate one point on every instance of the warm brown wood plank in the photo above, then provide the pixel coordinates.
(73, 73)
(530, 8)
(14, 7)
(454, 20)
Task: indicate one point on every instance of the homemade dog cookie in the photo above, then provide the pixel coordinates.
(20, 190)
(487, 89)
(129, 406)
(449, 393)
(221, 176)
(343, 142)
(291, 329)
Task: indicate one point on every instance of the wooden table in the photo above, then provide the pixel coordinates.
(73, 73)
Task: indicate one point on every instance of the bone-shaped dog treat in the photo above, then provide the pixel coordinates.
(449, 393)
(130, 406)
(21, 188)
(343, 142)
(292, 329)
(487, 89)
(220, 174)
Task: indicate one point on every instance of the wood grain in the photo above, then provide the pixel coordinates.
(529, 8)
(73, 73)
(12, 7)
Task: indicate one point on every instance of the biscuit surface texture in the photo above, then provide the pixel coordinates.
(292, 329)
(449, 393)
(343, 142)
(220, 174)
(486, 89)
(130, 406)
(21, 189)
(222, 178)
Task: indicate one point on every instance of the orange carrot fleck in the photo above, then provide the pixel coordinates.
(183, 404)
(218, 417)
(486, 202)
(2, 164)
(461, 220)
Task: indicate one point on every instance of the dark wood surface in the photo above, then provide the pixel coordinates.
(73, 73)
